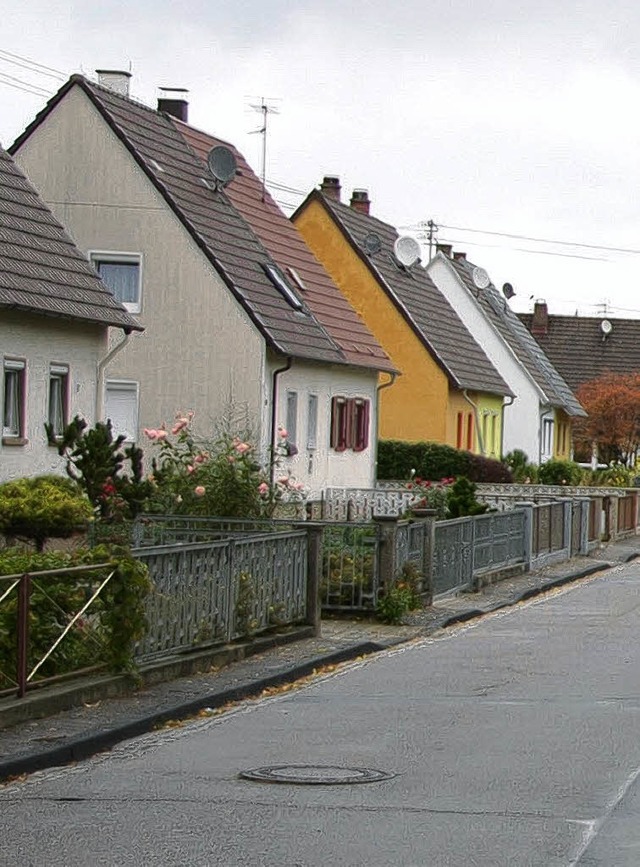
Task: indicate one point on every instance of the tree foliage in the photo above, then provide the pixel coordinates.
(613, 403)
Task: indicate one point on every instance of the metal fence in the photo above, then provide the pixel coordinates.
(222, 589)
(466, 549)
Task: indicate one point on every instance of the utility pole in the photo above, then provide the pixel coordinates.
(265, 110)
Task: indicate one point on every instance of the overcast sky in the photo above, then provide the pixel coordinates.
(519, 119)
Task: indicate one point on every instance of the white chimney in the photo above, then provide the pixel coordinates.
(114, 79)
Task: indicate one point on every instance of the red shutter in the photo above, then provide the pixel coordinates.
(361, 425)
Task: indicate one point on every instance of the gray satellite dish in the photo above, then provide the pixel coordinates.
(372, 243)
(407, 250)
(222, 164)
(480, 278)
(606, 327)
(508, 291)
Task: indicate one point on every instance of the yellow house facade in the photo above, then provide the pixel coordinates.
(447, 391)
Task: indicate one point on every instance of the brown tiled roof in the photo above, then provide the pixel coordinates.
(223, 235)
(424, 307)
(41, 270)
(516, 336)
(580, 351)
(288, 249)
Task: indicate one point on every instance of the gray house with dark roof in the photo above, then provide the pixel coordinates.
(228, 332)
(56, 316)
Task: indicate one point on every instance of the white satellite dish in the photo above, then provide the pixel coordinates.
(480, 278)
(606, 327)
(407, 250)
(222, 164)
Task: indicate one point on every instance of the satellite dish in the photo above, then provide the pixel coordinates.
(606, 327)
(222, 164)
(407, 250)
(372, 243)
(480, 278)
(508, 291)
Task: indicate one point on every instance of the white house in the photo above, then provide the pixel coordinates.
(228, 328)
(55, 315)
(538, 420)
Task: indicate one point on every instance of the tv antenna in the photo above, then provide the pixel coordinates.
(265, 110)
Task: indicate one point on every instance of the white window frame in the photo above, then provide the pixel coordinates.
(124, 385)
(121, 258)
(17, 367)
(58, 373)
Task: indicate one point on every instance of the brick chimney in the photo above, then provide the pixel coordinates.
(114, 79)
(460, 257)
(540, 321)
(445, 249)
(173, 101)
(360, 201)
(330, 186)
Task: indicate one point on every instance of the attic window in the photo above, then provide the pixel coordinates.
(297, 279)
(280, 282)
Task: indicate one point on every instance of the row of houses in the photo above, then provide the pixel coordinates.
(186, 288)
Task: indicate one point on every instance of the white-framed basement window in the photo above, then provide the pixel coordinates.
(122, 274)
(121, 406)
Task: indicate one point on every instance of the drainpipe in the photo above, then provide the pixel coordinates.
(100, 375)
(504, 406)
(379, 388)
(476, 415)
(274, 410)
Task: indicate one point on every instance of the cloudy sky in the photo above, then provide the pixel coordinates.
(514, 126)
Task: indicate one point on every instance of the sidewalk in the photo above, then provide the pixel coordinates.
(75, 734)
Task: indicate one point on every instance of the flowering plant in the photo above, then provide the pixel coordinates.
(222, 477)
(431, 495)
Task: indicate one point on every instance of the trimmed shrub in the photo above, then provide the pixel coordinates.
(522, 471)
(434, 461)
(462, 500)
(560, 473)
(42, 507)
(483, 469)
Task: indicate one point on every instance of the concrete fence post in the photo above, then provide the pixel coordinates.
(314, 573)
(528, 551)
(428, 518)
(585, 504)
(387, 566)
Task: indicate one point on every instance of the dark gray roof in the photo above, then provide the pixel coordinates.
(514, 333)
(429, 313)
(225, 238)
(41, 269)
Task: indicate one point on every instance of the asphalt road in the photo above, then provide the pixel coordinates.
(514, 740)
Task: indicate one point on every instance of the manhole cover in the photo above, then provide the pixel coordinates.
(315, 775)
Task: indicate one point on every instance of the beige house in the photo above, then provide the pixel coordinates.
(228, 332)
(56, 314)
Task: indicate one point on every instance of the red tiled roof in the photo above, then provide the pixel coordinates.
(288, 249)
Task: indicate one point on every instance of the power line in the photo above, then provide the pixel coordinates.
(468, 243)
(538, 240)
(25, 86)
(32, 63)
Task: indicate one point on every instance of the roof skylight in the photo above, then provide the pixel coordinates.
(280, 282)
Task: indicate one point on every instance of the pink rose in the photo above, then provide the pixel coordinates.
(149, 432)
(161, 434)
(179, 425)
(190, 469)
(201, 458)
(282, 433)
(241, 448)
(284, 481)
(199, 491)
(263, 488)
